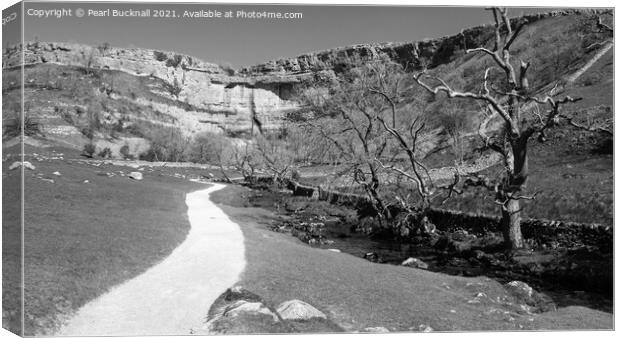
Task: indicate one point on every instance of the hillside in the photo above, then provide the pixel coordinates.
(135, 94)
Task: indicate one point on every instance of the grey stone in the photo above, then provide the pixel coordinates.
(414, 263)
(298, 310)
(135, 175)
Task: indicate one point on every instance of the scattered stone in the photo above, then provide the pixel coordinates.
(47, 179)
(298, 310)
(56, 173)
(520, 289)
(334, 250)
(414, 263)
(377, 329)
(85, 181)
(135, 166)
(536, 301)
(17, 164)
(135, 175)
(372, 257)
(425, 328)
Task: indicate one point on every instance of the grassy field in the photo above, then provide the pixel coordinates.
(11, 245)
(357, 294)
(83, 238)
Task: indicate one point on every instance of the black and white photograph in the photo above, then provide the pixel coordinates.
(194, 168)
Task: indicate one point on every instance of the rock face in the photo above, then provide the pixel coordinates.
(428, 52)
(217, 94)
(254, 97)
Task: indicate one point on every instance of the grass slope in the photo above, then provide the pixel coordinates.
(83, 238)
(357, 294)
(11, 244)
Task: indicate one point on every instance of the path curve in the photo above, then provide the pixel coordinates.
(175, 295)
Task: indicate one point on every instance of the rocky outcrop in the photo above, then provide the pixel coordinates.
(256, 96)
(240, 311)
(428, 52)
(216, 95)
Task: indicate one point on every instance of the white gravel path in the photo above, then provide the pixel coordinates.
(174, 295)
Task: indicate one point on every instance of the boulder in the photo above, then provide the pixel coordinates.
(298, 310)
(255, 308)
(57, 173)
(425, 328)
(524, 293)
(17, 164)
(414, 263)
(372, 257)
(239, 311)
(135, 175)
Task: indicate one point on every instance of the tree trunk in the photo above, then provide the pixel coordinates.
(511, 212)
(511, 225)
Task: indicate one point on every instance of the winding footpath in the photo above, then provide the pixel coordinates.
(175, 295)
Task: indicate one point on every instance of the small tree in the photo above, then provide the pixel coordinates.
(510, 100)
(89, 150)
(347, 115)
(276, 156)
(103, 48)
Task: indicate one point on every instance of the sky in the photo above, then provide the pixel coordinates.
(248, 41)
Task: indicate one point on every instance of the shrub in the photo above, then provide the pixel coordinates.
(88, 150)
(160, 56)
(125, 152)
(103, 48)
(105, 153)
(14, 127)
(175, 88)
(228, 69)
(175, 61)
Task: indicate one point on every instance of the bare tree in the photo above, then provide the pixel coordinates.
(346, 113)
(275, 155)
(510, 101)
(406, 137)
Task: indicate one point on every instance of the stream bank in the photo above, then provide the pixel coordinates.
(568, 274)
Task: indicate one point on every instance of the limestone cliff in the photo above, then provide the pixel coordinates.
(219, 99)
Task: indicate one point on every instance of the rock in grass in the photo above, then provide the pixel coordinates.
(239, 311)
(334, 250)
(57, 173)
(414, 263)
(539, 302)
(256, 308)
(298, 310)
(425, 328)
(17, 164)
(520, 289)
(372, 257)
(135, 175)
